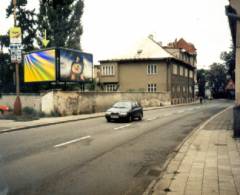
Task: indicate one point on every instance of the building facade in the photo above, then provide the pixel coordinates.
(149, 67)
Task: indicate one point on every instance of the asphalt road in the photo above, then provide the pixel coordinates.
(92, 156)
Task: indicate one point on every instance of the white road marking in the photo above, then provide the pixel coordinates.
(180, 111)
(72, 141)
(121, 127)
(151, 119)
(169, 114)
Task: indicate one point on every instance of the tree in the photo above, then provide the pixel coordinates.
(62, 21)
(201, 80)
(4, 41)
(217, 79)
(229, 61)
(27, 21)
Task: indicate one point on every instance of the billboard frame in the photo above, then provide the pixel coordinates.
(59, 72)
(56, 66)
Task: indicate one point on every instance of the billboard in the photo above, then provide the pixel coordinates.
(75, 65)
(40, 66)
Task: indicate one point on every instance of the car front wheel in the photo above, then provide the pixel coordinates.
(140, 117)
(130, 118)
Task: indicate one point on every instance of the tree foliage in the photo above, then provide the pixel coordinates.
(217, 79)
(26, 20)
(229, 61)
(62, 21)
(201, 80)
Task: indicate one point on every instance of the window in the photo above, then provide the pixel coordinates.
(175, 69)
(152, 87)
(152, 69)
(178, 89)
(110, 87)
(108, 70)
(186, 72)
(181, 70)
(191, 74)
(190, 89)
(184, 89)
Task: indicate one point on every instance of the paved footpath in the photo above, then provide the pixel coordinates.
(208, 162)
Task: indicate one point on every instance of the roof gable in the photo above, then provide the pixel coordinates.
(145, 49)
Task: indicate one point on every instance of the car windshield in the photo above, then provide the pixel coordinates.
(122, 105)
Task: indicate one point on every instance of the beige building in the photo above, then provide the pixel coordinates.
(149, 67)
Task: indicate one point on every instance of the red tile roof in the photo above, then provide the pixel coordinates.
(182, 44)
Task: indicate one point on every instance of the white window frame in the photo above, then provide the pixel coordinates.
(190, 74)
(175, 69)
(181, 71)
(186, 72)
(107, 70)
(152, 87)
(152, 69)
(110, 87)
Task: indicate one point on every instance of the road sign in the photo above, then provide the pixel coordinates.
(44, 40)
(15, 35)
(16, 53)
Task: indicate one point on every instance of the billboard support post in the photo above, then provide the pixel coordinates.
(17, 103)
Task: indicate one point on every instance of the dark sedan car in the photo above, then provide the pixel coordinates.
(125, 110)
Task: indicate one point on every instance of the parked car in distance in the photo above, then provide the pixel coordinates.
(124, 110)
(3, 108)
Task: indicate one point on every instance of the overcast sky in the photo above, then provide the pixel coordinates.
(112, 26)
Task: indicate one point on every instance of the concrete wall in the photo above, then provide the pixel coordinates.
(27, 100)
(70, 103)
(47, 104)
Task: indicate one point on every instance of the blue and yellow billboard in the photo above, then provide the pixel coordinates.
(40, 66)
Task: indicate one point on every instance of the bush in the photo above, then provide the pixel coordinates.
(29, 111)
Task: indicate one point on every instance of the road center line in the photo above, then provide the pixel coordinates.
(72, 141)
(121, 127)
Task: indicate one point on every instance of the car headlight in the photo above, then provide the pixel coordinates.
(123, 113)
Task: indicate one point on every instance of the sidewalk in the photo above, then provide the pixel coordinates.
(208, 163)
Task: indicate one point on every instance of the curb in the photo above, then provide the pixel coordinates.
(170, 157)
(78, 119)
(47, 124)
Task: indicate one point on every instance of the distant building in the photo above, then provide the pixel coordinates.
(149, 67)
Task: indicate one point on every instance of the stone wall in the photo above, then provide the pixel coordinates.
(27, 100)
(70, 103)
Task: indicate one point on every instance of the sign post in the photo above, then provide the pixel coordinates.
(16, 57)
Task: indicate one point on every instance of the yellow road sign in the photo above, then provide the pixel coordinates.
(15, 35)
(44, 40)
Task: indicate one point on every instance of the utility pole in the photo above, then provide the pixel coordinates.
(17, 103)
